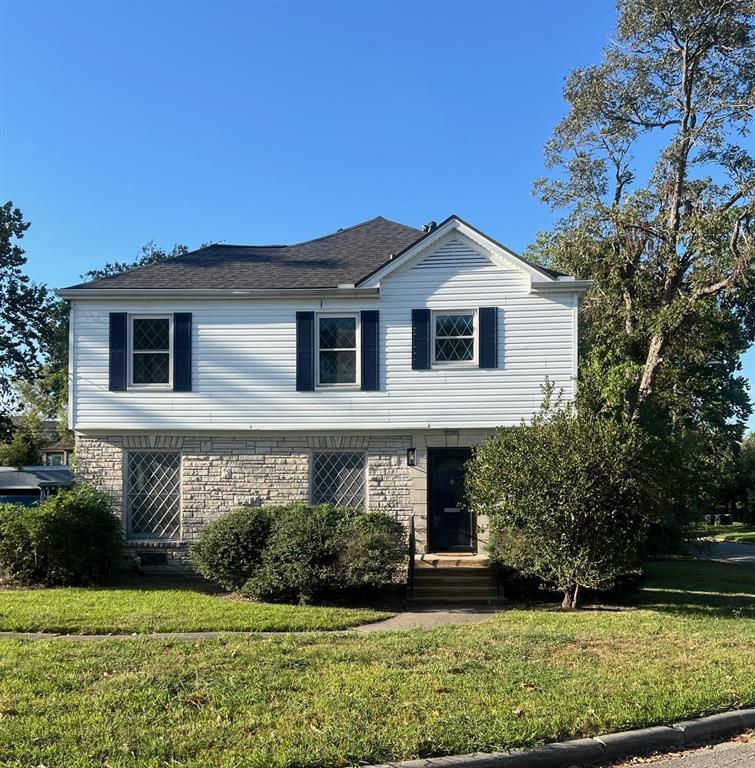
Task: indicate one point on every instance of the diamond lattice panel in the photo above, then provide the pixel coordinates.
(448, 350)
(338, 478)
(151, 333)
(154, 495)
(454, 325)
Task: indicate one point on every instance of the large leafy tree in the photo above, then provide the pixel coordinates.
(22, 310)
(652, 169)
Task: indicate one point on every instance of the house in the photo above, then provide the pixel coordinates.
(28, 485)
(358, 368)
(58, 453)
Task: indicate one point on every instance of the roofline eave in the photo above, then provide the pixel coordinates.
(214, 293)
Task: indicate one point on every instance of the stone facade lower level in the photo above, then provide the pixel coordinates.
(223, 471)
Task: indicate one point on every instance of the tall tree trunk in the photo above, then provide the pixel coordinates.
(649, 372)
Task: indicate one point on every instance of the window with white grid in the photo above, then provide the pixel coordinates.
(338, 478)
(454, 338)
(153, 495)
(150, 351)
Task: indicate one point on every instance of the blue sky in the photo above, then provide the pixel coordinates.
(277, 122)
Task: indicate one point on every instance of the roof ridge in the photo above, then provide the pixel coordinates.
(348, 229)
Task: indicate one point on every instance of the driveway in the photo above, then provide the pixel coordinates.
(731, 552)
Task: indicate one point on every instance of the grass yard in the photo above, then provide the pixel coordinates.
(520, 678)
(739, 532)
(180, 605)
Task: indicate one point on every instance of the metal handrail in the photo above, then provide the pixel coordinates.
(412, 553)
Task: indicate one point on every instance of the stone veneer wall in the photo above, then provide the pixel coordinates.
(223, 471)
(219, 473)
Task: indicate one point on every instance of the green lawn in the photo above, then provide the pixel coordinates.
(738, 532)
(175, 606)
(517, 679)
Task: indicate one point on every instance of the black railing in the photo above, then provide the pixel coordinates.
(412, 552)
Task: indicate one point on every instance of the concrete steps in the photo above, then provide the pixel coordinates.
(453, 579)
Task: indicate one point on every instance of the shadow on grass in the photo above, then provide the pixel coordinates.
(697, 587)
(155, 582)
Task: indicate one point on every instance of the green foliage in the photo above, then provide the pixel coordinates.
(22, 309)
(228, 550)
(373, 546)
(671, 250)
(745, 477)
(300, 562)
(570, 497)
(22, 449)
(316, 550)
(670, 245)
(70, 538)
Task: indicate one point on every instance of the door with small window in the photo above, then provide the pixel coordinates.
(451, 526)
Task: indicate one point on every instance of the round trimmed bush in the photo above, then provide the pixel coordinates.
(228, 550)
(372, 548)
(300, 561)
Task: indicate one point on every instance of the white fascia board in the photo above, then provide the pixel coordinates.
(498, 252)
(214, 293)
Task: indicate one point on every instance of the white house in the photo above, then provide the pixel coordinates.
(357, 368)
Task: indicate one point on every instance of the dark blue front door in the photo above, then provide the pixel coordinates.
(451, 528)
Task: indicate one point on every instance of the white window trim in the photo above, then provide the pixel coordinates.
(357, 383)
(474, 362)
(366, 456)
(150, 316)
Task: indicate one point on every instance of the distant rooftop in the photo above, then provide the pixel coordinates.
(18, 478)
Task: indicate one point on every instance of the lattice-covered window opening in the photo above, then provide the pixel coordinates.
(337, 350)
(150, 350)
(454, 334)
(153, 495)
(338, 478)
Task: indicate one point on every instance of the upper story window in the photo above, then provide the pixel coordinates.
(337, 350)
(454, 336)
(151, 346)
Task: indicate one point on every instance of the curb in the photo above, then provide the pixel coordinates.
(660, 738)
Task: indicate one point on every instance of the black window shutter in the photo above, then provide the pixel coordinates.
(305, 351)
(118, 350)
(182, 352)
(370, 322)
(420, 339)
(488, 319)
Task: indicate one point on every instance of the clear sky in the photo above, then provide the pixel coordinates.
(257, 122)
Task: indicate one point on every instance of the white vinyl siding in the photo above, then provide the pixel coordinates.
(244, 359)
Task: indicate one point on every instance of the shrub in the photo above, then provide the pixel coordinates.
(17, 557)
(372, 548)
(228, 550)
(70, 538)
(570, 497)
(300, 561)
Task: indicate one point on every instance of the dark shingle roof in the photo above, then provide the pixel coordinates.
(345, 256)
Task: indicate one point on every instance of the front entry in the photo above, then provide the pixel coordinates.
(450, 527)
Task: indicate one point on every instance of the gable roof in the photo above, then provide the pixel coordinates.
(345, 256)
(356, 256)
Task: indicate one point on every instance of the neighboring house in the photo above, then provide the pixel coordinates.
(359, 368)
(58, 454)
(28, 485)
